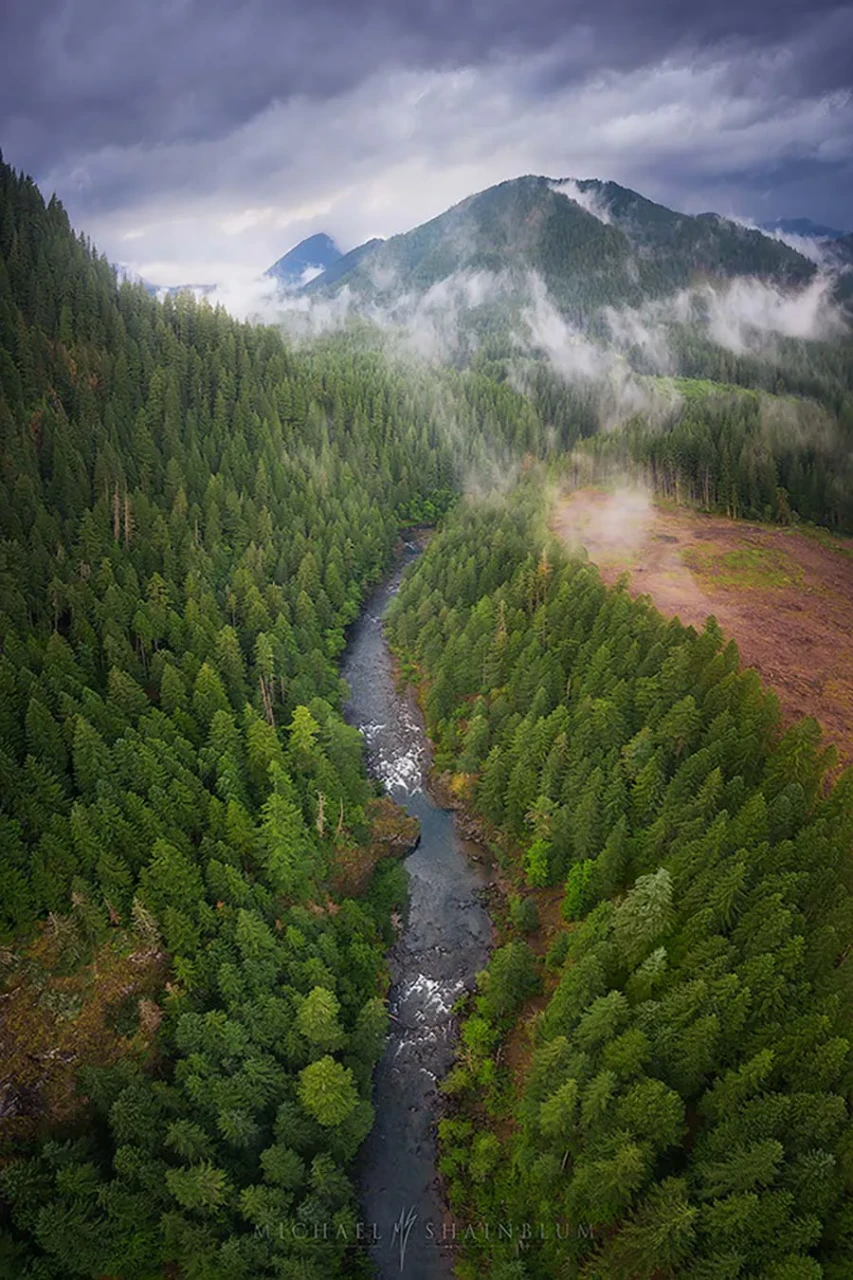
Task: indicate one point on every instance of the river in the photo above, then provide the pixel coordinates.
(443, 944)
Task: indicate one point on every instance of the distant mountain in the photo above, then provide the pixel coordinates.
(124, 272)
(133, 277)
(594, 244)
(314, 255)
(803, 227)
(172, 289)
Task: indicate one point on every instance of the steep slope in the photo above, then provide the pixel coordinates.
(707, 243)
(181, 547)
(675, 1075)
(594, 244)
(315, 254)
(842, 251)
(343, 265)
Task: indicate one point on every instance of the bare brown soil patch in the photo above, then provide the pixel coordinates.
(52, 1024)
(784, 595)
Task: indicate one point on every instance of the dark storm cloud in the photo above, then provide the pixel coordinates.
(189, 138)
(91, 73)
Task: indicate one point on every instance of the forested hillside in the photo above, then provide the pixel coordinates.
(586, 259)
(190, 516)
(744, 450)
(685, 1110)
(608, 309)
(745, 453)
(191, 512)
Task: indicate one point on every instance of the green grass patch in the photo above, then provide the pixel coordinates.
(745, 568)
(696, 388)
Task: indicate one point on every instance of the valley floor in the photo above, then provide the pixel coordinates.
(784, 595)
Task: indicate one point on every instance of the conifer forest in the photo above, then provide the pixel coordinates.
(198, 887)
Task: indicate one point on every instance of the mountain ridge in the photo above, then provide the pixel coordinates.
(594, 243)
(803, 227)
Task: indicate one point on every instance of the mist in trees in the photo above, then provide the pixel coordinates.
(687, 1099)
(191, 512)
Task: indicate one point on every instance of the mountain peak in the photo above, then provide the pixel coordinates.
(593, 243)
(305, 260)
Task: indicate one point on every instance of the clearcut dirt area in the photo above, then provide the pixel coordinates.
(784, 595)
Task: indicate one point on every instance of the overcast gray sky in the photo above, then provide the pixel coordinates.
(195, 138)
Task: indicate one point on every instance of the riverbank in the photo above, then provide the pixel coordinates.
(444, 942)
(485, 845)
(393, 834)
